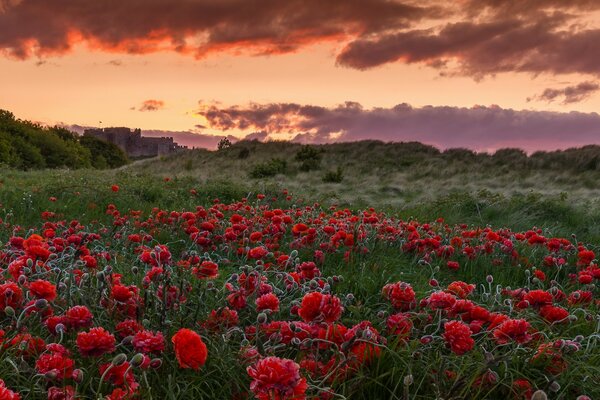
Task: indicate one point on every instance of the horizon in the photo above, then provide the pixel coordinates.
(482, 75)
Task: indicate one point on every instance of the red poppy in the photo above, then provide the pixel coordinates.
(275, 378)
(458, 336)
(96, 342)
(190, 350)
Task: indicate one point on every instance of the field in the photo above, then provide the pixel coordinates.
(187, 278)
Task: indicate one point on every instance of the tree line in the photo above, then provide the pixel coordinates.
(27, 145)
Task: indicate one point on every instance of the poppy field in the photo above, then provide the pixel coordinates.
(272, 297)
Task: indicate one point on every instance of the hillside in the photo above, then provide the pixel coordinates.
(388, 174)
(26, 145)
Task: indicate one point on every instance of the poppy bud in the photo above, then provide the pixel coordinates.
(137, 360)
(41, 304)
(51, 375)
(78, 375)
(119, 359)
(156, 363)
(262, 318)
(22, 279)
(8, 310)
(408, 380)
(29, 262)
(539, 395)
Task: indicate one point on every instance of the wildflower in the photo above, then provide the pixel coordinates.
(10, 295)
(267, 301)
(400, 294)
(275, 378)
(400, 325)
(190, 350)
(554, 314)
(512, 329)
(206, 270)
(96, 342)
(7, 394)
(458, 336)
(460, 289)
(441, 300)
(41, 289)
(316, 306)
(55, 360)
(78, 317)
(147, 342)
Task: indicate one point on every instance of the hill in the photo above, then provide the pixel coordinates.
(388, 174)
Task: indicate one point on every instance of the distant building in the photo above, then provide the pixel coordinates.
(132, 142)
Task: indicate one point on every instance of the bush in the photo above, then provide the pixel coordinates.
(334, 176)
(309, 158)
(223, 144)
(244, 153)
(104, 153)
(270, 168)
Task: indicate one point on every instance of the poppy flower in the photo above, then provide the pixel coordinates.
(319, 307)
(275, 378)
(147, 342)
(96, 342)
(458, 336)
(190, 350)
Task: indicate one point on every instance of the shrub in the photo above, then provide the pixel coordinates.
(104, 153)
(244, 153)
(270, 168)
(223, 144)
(334, 176)
(309, 158)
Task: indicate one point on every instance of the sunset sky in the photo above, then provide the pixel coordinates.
(482, 74)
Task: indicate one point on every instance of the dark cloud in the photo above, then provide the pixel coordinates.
(478, 128)
(482, 48)
(569, 94)
(152, 105)
(194, 26)
(484, 37)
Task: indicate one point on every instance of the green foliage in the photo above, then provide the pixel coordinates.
(104, 153)
(309, 158)
(244, 153)
(336, 176)
(25, 145)
(270, 168)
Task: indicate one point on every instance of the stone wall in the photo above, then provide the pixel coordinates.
(133, 143)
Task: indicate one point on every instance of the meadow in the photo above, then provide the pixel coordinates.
(208, 275)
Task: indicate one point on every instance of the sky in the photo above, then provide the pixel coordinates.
(482, 74)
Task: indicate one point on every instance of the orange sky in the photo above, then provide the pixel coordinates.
(87, 84)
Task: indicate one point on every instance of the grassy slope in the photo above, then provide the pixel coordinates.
(375, 173)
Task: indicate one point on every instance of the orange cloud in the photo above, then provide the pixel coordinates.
(152, 105)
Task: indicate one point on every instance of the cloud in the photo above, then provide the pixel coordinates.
(485, 48)
(197, 27)
(478, 127)
(261, 136)
(471, 37)
(569, 94)
(152, 105)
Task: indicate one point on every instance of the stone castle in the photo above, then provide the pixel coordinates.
(132, 142)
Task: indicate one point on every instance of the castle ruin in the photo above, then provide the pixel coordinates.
(132, 142)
